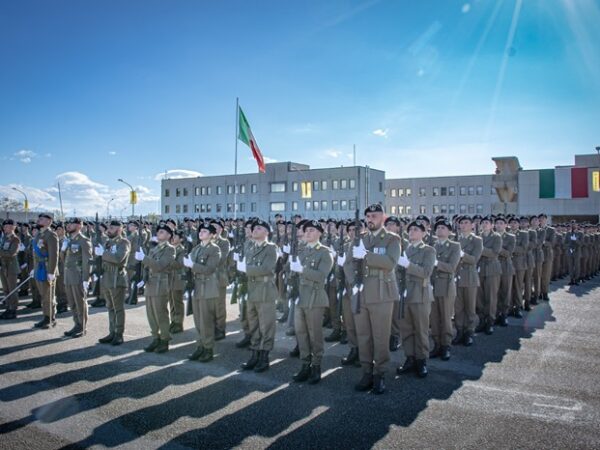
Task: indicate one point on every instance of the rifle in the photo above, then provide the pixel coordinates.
(342, 276)
(133, 290)
(357, 286)
(189, 278)
(293, 284)
(97, 261)
(329, 243)
(240, 288)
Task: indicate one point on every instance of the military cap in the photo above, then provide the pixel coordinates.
(312, 224)
(465, 217)
(487, 218)
(186, 219)
(45, 215)
(76, 220)
(443, 221)
(166, 228)
(219, 222)
(116, 223)
(524, 219)
(171, 221)
(513, 219)
(103, 225)
(393, 219)
(134, 222)
(179, 233)
(542, 215)
(375, 207)
(261, 223)
(477, 217)
(500, 217)
(301, 223)
(207, 226)
(8, 222)
(25, 224)
(248, 222)
(416, 223)
(422, 218)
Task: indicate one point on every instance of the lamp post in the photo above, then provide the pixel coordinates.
(598, 151)
(25, 205)
(132, 196)
(107, 208)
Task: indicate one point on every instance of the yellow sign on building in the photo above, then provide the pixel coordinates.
(306, 189)
(596, 181)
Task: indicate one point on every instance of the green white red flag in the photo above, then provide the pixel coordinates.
(245, 135)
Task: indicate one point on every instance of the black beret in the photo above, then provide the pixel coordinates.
(116, 223)
(375, 207)
(418, 224)
(261, 223)
(166, 228)
(8, 222)
(248, 222)
(45, 215)
(134, 222)
(488, 219)
(477, 216)
(422, 218)
(443, 221)
(179, 233)
(500, 217)
(103, 225)
(76, 220)
(524, 219)
(218, 222)
(465, 217)
(26, 225)
(301, 223)
(171, 221)
(393, 219)
(312, 224)
(207, 226)
(542, 215)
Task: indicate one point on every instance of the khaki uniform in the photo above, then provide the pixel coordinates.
(132, 263)
(401, 281)
(374, 320)
(77, 258)
(206, 291)
(557, 270)
(310, 306)
(177, 282)
(9, 268)
(347, 315)
(444, 292)
(467, 283)
(114, 281)
(221, 316)
(414, 326)
(45, 262)
(158, 262)
(520, 265)
(574, 243)
(547, 266)
(261, 262)
(490, 272)
(508, 273)
(61, 292)
(248, 245)
(539, 262)
(531, 261)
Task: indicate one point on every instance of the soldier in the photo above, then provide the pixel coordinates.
(558, 253)
(548, 249)
(177, 282)
(313, 267)
(204, 261)
(332, 312)
(259, 266)
(394, 225)
(247, 247)
(114, 253)
(520, 265)
(281, 242)
(133, 236)
(77, 253)
(467, 284)
(508, 271)
(380, 251)
(444, 290)
(62, 302)
(36, 302)
(574, 240)
(345, 263)
(45, 262)
(531, 257)
(24, 257)
(9, 268)
(223, 244)
(158, 265)
(539, 259)
(419, 261)
(490, 272)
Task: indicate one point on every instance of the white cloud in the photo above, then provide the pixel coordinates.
(38, 198)
(48, 155)
(268, 160)
(177, 173)
(112, 153)
(466, 8)
(333, 153)
(77, 179)
(381, 132)
(25, 156)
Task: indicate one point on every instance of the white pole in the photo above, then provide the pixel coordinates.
(237, 118)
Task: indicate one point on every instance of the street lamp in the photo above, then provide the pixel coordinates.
(132, 199)
(107, 208)
(598, 150)
(25, 205)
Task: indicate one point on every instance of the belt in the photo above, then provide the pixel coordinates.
(263, 279)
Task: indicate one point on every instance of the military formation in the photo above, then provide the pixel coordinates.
(378, 282)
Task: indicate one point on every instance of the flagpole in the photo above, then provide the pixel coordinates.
(237, 127)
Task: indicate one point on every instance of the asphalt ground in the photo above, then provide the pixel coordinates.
(532, 385)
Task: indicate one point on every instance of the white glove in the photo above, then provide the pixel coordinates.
(64, 246)
(139, 255)
(296, 266)
(86, 286)
(51, 277)
(286, 249)
(95, 277)
(462, 253)
(341, 260)
(435, 262)
(189, 239)
(279, 254)
(236, 257)
(187, 262)
(230, 234)
(403, 261)
(99, 250)
(359, 251)
(31, 274)
(23, 266)
(140, 284)
(333, 254)
(241, 266)
(573, 238)
(154, 239)
(21, 247)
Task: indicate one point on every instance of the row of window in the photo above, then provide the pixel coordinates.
(442, 191)
(309, 205)
(438, 209)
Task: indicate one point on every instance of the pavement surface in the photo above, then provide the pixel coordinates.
(532, 385)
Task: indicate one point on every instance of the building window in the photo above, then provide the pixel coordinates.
(308, 205)
(344, 205)
(335, 184)
(196, 191)
(479, 208)
(422, 209)
(253, 188)
(294, 186)
(315, 205)
(167, 192)
(444, 209)
(436, 192)
(177, 209)
(408, 192)
(315, 185)
(294, 206)
(185, 192)
(185, 209)
(401, 210)
(451, 191)
(451, 209)
(393, 192)
(352, 183)
(208, 207)
(177, 192)
(443, 191)
(471, 209)
(324, 185)
(196, 208)
(335, 205)
(401, 192)
(202, 207)
(409, 210)
(253, 207)
(167, 209)
(344, 184)
(435, 209)
(380, 186)
(219, 190)
(209, 190)
(471, 190)
(393, 211)
(229, 207)
(324, 205)
(229, 189)
(202, 190)
(479, 190)
(422, 192)
(463, 209)
(277, 187)
(242, 207)
(463, 190)
(352, 205)
(242, 188)
(219, 207)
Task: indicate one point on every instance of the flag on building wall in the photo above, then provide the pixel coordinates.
(564, 182)
(245, 135)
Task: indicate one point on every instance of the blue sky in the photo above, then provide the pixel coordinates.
(96, 90)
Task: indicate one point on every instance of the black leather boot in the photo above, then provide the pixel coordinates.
(244, 342)
(263, 361)
(351, 358)
(206, 356)
(409, 366)
(252, 362)
(334, 336)
(163, 346)
(445, 353)
(107, 339)
(197, 353)
(117, 340)
(153, 345)
(422, 368)
(378, 384)
(315, 374)
(365, 383)
(394, 343)
(295, 353)
(303, 374)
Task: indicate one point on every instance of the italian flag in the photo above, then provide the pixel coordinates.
(564, 182)
(245, 135)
